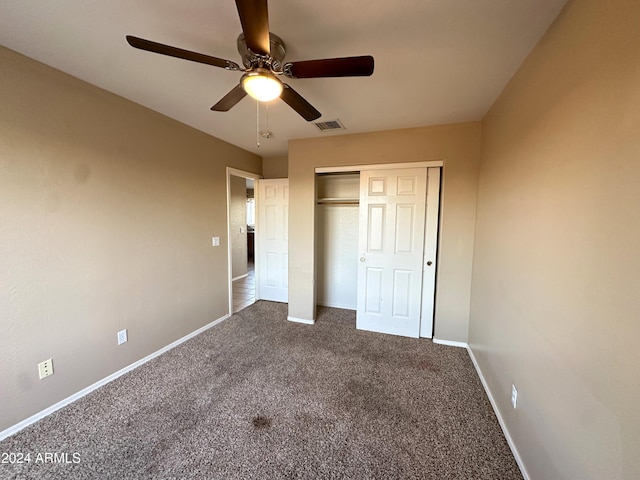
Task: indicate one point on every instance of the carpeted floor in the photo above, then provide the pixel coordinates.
(258, 397)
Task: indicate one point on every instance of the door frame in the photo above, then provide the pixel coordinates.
(387, 166)
(430, 257)
(380, 166)
(230, 171)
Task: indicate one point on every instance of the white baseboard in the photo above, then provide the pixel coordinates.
(450, 343)
(76, 396)
(332, 305)
(301, 320)
(501, 421)
(239, 277)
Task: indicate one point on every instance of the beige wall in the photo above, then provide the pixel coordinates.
(106, 216)
(556, 293)
(238, 225)
(275, 167)
(459, 147)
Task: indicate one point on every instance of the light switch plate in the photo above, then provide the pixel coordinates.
(215, 241)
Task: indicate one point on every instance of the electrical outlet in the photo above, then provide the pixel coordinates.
(45, 368)
(122, 336)
(215, 241)
(514, 396)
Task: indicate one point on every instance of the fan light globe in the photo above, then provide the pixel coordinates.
(262, 86)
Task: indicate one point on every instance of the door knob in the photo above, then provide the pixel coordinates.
(362, 259)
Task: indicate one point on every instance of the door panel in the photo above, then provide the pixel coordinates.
(270, 222)
(375, 236)
(373, 290)
(272, 234)
(377, 186)
(405, 219)
(391, 243)
(402, 280)
(406, 185)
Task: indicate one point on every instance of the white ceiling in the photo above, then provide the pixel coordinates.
(436, 61)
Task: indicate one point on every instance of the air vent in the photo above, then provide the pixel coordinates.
(329, 125)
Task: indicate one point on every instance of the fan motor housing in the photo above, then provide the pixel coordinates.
(278, 52)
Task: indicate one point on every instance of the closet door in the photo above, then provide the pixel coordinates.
(391, 247)
(430, 252)
(272, 240)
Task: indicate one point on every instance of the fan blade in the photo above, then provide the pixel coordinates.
(254, 17)
(331, 67)
(156, 47)
(230, 99)
(299, 104)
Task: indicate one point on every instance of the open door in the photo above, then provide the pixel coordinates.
(391, 249)
(272, 240)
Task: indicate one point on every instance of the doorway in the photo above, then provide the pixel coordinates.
(241, 207)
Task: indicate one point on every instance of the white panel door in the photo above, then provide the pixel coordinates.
(391, 246)
(272, 239)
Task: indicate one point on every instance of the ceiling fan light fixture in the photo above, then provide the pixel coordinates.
(261, 85)
(263, 55)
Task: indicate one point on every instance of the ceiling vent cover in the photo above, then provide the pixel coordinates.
(329, 125)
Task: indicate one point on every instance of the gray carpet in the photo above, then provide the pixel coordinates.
(260, 397)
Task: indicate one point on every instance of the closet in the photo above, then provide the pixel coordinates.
(337, 239)
(376, 245)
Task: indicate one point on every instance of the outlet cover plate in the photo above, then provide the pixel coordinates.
(514, 396)
(122, 336)
(45, 368)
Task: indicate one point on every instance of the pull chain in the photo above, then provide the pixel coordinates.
(266, 133)
(258, 123)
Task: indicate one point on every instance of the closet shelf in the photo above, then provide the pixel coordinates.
(338, 201)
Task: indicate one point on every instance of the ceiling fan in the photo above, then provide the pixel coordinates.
(263, 61)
